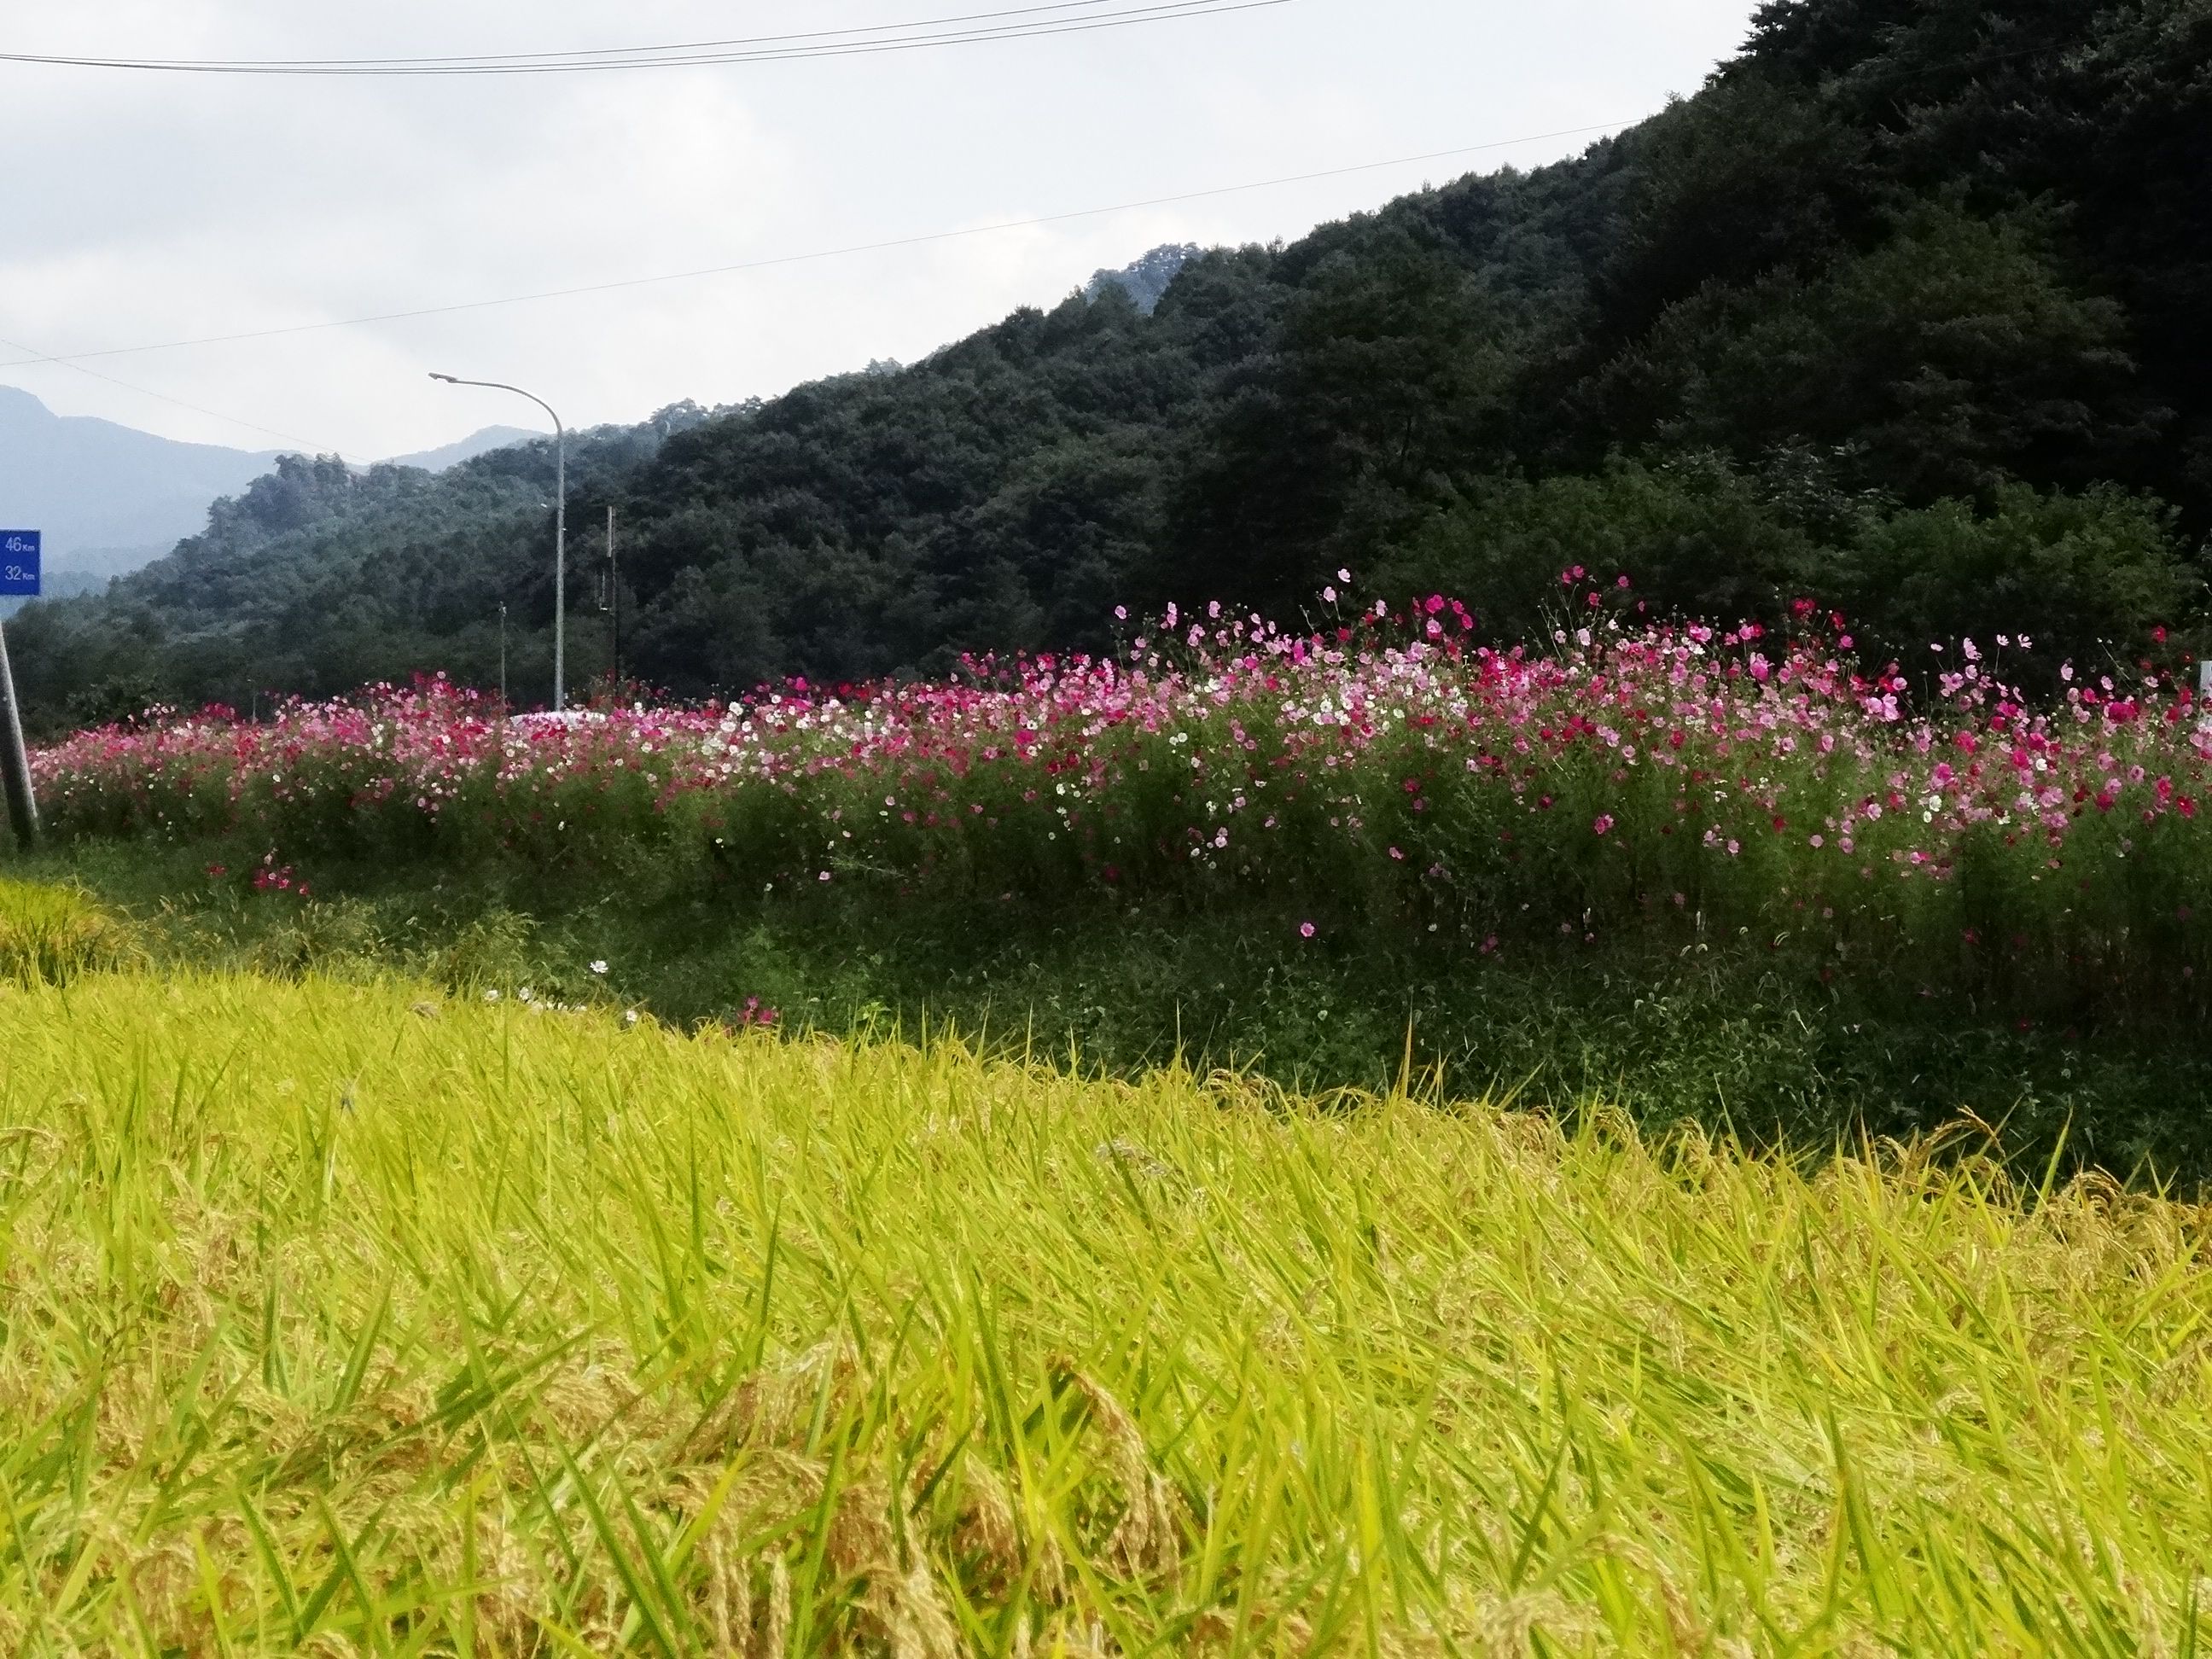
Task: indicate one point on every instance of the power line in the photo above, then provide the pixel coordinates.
(601, 52)
(162, 397)
(891, 244)
(829, 43)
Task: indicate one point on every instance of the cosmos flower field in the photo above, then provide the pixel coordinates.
(1676, 782)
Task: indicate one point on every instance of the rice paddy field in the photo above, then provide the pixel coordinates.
(365, 1319)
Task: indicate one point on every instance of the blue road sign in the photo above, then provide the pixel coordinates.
(19, 563)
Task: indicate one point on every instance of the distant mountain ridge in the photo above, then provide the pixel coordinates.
(478, 443)
(108, 496)
(1146, 281)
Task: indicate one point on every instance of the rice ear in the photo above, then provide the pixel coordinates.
(1148, 1539)
(774, 1638)
(729, 1600)
(915, 1615)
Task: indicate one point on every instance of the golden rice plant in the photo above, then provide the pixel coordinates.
(350, 1319)
(50, 935)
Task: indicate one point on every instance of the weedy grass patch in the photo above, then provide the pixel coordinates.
(346, 1318)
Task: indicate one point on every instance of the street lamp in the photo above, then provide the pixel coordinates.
(560, 533)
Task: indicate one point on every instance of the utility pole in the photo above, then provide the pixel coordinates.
(503, 657)
(614, 602)
(15, 760)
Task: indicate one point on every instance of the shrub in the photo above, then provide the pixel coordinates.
(1697, 535)
(2088, 575)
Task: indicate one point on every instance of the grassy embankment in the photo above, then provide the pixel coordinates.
(1726, 1036)
(353, 1318)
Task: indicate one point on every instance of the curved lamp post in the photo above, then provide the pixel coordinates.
(560, 532)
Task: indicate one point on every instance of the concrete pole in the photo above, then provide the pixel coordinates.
(15, 759)
(560, 566)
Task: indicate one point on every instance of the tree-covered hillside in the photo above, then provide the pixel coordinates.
(1909, 309)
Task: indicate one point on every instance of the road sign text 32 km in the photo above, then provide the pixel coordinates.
(20, 551)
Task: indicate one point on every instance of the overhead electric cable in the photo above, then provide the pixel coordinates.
(805, 259)
(1071, 19)
(1065, 6)
(301, 444)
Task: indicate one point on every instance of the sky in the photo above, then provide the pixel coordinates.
(139, 209)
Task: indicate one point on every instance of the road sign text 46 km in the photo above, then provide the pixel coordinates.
(20, 562)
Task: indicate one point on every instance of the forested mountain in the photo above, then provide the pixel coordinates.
(1910, 309)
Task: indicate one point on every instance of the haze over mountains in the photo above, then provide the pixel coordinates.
(109, 499)
(112, 500)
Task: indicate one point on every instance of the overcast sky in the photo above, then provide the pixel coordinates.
(138, 209)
